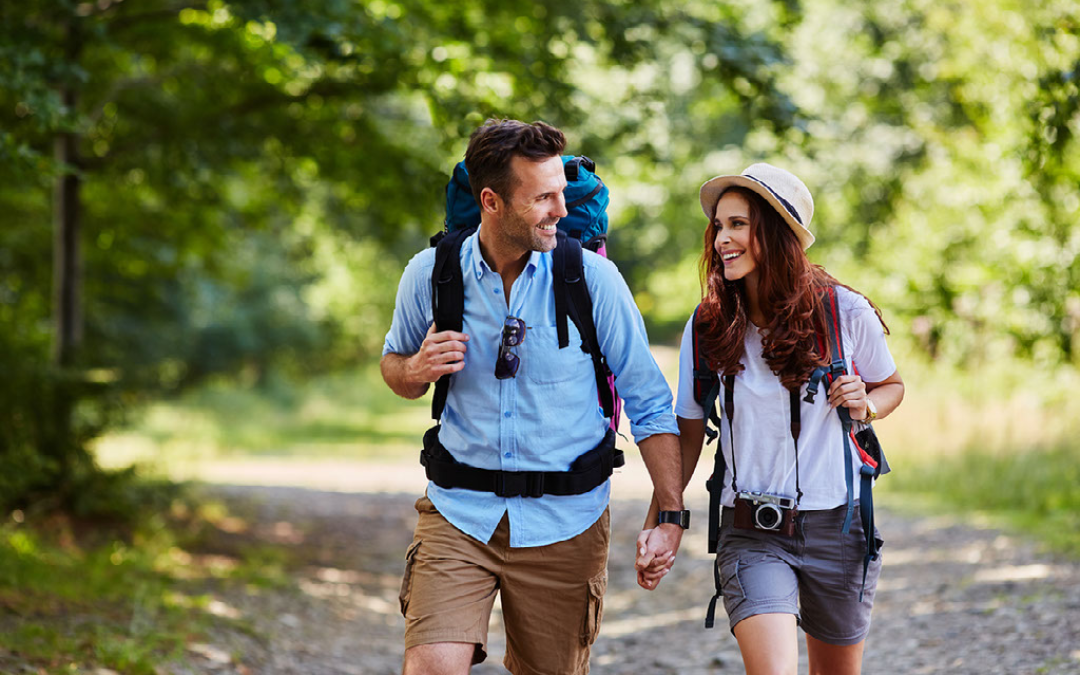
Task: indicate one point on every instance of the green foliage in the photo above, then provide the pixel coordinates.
(236, 158)
(922, 151)
(254, 174)
(77, 598)
(1030, 491)
(346, 415)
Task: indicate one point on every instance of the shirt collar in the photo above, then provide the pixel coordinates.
(479, 265)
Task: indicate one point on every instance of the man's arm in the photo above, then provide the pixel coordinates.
(409, 376)
(663, 459)
(651, 570)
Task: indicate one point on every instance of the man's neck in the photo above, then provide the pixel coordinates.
(505, 260)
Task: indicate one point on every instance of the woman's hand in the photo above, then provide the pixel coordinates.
(849, 391)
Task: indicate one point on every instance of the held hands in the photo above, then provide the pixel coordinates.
(850, 392)
(656, 548)
(440, 353)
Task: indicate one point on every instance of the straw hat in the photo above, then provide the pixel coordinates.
(782, 189)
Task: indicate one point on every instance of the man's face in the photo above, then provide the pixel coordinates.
(536, 205)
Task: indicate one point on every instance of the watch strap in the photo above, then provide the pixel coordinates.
(680, 518)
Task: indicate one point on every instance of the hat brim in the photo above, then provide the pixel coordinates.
(712, 189)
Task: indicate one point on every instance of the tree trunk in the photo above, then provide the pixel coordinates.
(67, 262)
(60, 444)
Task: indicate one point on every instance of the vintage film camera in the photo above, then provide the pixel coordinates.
(761, 511)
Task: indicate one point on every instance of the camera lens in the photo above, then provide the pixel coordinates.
(767, 517)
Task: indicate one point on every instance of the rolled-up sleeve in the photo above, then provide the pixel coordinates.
(412, 309)
(624, 342)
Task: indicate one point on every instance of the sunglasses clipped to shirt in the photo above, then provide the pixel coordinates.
(513, 334)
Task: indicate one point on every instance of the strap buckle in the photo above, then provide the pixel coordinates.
(519, 484)
(836, 368)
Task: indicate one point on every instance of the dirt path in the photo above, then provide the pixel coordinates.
(953, 598)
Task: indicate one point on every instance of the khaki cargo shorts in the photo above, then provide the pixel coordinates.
(552, 596)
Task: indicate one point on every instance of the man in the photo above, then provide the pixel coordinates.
(547, 554)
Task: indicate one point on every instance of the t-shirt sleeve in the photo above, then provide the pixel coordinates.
(685, 405)
(865, 339)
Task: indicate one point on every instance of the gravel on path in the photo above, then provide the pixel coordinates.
(953, 598)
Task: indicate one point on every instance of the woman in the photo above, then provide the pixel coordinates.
(759, 328)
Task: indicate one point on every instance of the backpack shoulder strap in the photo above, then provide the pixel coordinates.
(572, 300)
(832, 337)
(830, 342)
(706, 382)
(867, 467)
(447, 300)
(706, 391)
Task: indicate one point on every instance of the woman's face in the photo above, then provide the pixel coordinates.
(733, 241)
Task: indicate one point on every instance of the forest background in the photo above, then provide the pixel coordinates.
(206, 207)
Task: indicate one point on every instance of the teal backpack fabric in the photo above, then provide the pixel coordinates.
(586, 203)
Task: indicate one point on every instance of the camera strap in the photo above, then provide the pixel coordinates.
(714, 488)
(796, 428)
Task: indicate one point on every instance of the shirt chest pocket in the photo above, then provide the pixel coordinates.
(543, 361)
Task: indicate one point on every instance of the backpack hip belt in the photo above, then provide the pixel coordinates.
(588, 471)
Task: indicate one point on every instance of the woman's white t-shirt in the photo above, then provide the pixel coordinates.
(765, 452)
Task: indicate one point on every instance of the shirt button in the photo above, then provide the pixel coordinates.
(494, 290)
(508, 414)
(508, 454)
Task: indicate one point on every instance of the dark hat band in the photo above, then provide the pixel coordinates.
(787, 205)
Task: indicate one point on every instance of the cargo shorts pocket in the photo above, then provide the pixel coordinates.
(406, 579)
(594, 608)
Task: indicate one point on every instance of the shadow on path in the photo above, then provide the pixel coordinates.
(953, 598)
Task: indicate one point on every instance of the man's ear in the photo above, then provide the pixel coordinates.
(490, 201)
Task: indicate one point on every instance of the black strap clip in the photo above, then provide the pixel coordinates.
(519, 484)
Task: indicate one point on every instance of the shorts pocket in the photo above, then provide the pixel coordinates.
(730, 588)
(764, 577)
(406, 579)
(879, 542)
(594, 608)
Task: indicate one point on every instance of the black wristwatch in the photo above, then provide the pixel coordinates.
(680, 518)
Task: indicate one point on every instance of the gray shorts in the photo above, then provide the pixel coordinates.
(815, 575)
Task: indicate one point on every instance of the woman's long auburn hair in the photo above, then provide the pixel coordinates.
(789, 293)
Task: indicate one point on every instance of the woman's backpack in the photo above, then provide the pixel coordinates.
(865, 442)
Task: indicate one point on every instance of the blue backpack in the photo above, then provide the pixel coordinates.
(586, 203)
(585, 225)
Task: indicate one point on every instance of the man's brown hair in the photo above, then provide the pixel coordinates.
(493, 145)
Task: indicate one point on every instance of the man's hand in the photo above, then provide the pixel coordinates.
(440, 353)
(656, 549)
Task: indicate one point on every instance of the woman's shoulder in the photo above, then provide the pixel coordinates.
(852, 302)
(688, 329)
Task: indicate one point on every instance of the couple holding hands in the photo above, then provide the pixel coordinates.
(519, 463)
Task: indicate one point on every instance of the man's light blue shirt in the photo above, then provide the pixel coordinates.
(546, 416)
